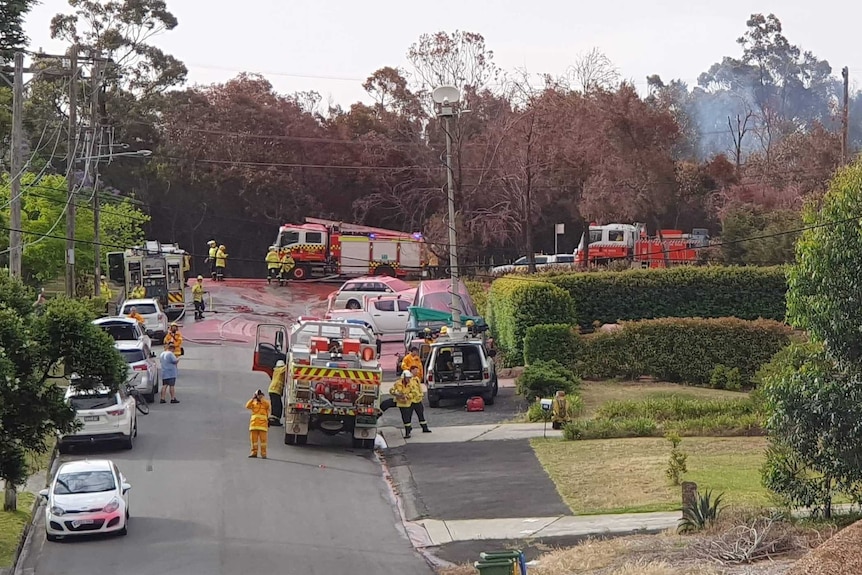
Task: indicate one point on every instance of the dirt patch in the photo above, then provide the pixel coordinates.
(839, 555)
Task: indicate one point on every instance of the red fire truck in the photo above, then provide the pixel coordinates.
(327, 248)
(632, 243)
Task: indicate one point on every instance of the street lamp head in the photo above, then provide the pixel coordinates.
(445, 95)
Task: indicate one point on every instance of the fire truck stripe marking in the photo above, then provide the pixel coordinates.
(175, 297)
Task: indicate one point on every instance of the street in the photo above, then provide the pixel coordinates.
(199, 506)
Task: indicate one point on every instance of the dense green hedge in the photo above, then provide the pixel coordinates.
(555, 341)
(682, 349)
(686, 291)
(516, 304)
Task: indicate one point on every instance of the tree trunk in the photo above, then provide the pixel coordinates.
(587, 243)
(827, 504)
(10, 502)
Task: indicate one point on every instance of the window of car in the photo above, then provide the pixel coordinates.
(288, 239)
(121, 332)
(132, 355)
(93, 400)
(385, 305)
(521, 261)
(313, 238)
(84, 482)
(403, 305)
(541, 260)
(143, 309)
(471, 356)
(565, 259)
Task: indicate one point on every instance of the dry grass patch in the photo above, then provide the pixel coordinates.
(597, 393)
(635, 470)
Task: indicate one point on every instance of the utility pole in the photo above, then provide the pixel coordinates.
(70, 173)
(15, 241)
(845, 128)
(96, 125)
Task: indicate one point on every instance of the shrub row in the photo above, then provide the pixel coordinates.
(712, 291)
(683, 350)
(515, 304)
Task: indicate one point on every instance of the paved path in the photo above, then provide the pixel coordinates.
(201, 507)
(394, 436)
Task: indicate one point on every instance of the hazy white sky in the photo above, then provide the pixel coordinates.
(332, 45)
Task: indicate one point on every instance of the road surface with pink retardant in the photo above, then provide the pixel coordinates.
(240, 305)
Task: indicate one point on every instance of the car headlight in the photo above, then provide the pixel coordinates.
(112, 505)
(55, 510)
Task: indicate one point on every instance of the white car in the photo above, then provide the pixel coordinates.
(387, 315)
(542, 262)
(106, 416)
(155, 318)
(143, 366)
(123, 329)
(351, 294)
(86, 497)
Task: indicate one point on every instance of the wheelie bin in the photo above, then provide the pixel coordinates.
(515, 555)
(498, 567)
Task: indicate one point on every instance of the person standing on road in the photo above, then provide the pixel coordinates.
(412, 360)
(273, 264)
(221, 262)
(169, 360)
(198, 297)
(407, 392)
(258, 425)
(174, 337)
(416, 396)
(287, 265)
(276, 392)
(211, 257)
(105, 288)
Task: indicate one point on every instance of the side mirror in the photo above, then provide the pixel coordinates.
(44, 494)
(126, 487)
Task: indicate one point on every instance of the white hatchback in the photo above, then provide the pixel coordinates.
(155, 318)
(86, 497)
(105, 416)
(352, 293)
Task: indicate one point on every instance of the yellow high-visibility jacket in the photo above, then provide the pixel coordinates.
(259, 414)
(409, 362)
(277, 384)
(221, 259)
(273, 262)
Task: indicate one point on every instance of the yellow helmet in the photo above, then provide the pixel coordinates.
(200, 277)
(470, 323)
(174, 324)
(444, 330)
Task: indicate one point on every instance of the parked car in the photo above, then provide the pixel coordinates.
(86, 497)
(350, 295)
(123, 329)
(143, 365)
(542, 262)
(106, 416)
(155, 318)
(459, 370)
(436, 294)
(385, 315)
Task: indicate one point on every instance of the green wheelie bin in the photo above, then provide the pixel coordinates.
(517, 557)
(497, 567)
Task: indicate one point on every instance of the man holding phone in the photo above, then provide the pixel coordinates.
(258, 426)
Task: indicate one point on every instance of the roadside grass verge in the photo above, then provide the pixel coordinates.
(12, 525)
(628, 475)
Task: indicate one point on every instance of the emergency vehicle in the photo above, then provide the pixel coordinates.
(160, 268)
(631, 242)
(327, 248)
(333, 378)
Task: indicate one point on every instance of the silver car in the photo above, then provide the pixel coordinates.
(143, 365)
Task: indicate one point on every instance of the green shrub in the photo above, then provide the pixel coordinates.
(479, 294)
(673, 407)
(551, 341)
(683, 350)
(686, 291)
(96, 305)
(606, 429)
(676, 463)
(545, 378)
(516, 304)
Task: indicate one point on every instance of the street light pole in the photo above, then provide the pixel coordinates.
(15, 240)
(96, 125)
(70, 174)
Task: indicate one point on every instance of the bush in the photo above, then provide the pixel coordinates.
(709, 292)
(516, 304)
(724, 378)
(545, 378)
(479, 294)
(551, 341)
(683, 349)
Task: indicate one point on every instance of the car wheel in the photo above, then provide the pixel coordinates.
(123, 532)
(129, 442)
(289, 439)
(51, 538)
(488, 398)
(433, 401)
(353, 304)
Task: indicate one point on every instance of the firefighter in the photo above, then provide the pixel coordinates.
(198, 297)
(408, 398)
(133, 314)
(287, 265)
(258, 425)
(561, 413)
(211, 257)
(106, 289)
(433, 265)
(276, 391)
(429, 337)
(412, 360)
(139, 292)
(273, 264)
(444, 330)
(175, 337)
(220, 262)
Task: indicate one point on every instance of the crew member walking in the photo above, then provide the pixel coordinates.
(169, 360)
(273, 264)
(211, 257)
(221, 262)
(276, 391)
(198, 297)
(258, 425)
(408, 393)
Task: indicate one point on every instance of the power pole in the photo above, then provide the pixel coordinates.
(70, 172)
(96, 125)
(15, 241)
(845, 128)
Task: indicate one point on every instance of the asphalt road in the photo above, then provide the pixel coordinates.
(199, 506)
(453, 412)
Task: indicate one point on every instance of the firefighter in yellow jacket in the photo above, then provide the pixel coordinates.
(258, 426)
(287, 264)
(276, 392)
(412, 360)
(220, 262)
(273, 264)
(211, 257)
(408, 398)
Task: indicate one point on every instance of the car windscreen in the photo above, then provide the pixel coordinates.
(132, 355)
(93, 401)
(442, 300)
(121, 332)
(84, 482)
(143, 309)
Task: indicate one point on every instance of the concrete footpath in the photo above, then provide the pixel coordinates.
(394, 436)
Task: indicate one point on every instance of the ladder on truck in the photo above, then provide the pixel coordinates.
(358, 229)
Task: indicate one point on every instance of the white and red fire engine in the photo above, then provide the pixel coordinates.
(631, 242)
(329, 248)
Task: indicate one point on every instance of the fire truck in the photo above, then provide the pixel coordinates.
(160, 268)
(333, 378)
(632, 243)
(325, 248)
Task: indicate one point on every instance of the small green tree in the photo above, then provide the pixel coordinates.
(676, 464)
(32, 408)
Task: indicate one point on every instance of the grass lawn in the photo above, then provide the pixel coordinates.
(628, 475)
(12, 525)
(597, 393)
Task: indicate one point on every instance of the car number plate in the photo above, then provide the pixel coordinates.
(91, 418)
(78, 522)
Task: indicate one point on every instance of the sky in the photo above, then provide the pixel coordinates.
(331, 46)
